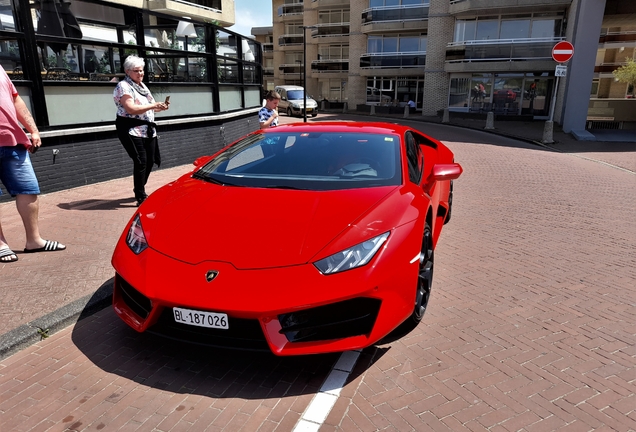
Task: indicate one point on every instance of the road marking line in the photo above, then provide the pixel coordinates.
(323, 401)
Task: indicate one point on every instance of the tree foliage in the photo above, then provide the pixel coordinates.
(627, 73)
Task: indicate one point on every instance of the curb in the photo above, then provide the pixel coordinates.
(43, 327)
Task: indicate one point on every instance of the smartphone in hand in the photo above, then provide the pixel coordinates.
(167, 101)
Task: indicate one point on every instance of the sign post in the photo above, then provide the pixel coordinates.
(562, 52)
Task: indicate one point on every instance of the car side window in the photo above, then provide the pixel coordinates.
(414, 158)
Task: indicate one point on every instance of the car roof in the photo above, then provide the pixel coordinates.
(341, 126)
(289, 87)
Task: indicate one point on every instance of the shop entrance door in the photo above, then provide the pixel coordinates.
(537, 96)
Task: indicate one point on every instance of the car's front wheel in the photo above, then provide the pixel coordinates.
(424, 277)
(289, 111)
(450, 203)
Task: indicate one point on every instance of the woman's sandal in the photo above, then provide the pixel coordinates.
(6, 252)
(49, 246)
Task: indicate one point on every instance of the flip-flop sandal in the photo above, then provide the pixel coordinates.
(49, 246)
(6, 252)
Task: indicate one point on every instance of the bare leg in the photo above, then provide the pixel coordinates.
(4, 244)
(28, 208)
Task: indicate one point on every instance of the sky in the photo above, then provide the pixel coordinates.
(251, 13)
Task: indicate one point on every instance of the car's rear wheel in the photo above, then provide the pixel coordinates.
(289, 112)
(424, 277)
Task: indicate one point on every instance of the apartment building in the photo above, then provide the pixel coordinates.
(471, 56)
(65, 58)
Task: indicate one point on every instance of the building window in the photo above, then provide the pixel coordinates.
(333, 17)
(400, 43)
(508, 27)
(594, 91)
(394, 91)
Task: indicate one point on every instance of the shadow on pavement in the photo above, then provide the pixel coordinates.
(179, 367)
(97, 204)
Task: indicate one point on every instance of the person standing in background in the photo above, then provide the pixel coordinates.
(135, 124)
(268, 115)
(16, 171)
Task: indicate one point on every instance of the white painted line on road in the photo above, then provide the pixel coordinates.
(322, 403)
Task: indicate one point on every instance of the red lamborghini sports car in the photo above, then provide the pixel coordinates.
(300, 239)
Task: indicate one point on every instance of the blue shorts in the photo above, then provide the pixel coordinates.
(16, 171)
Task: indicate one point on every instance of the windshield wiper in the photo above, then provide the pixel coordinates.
(209, 179)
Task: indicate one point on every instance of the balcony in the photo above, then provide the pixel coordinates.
(618, 39)
(319, 4)
(330, 65)
(396, 60)
(330, 30)
(492, 7)
(268, 71)
(608, 68)
(394, 18)
(290, 69)
(395, 13)
(219, 10)
(501, 50)
(290, 39)
(291, 9)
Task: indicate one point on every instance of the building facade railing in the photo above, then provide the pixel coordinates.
(290, 39)
(393, 60)
(327, 30)
(211, 5)
(624, 36)
(395, 13)
(290, 69)
(291, 9)
(330, 65)
(501, 50)
(221, 71)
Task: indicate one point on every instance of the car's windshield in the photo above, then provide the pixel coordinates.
(309, 161)
(295, 95)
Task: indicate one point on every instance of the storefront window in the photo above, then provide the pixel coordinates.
(394, 91)
(459, 93)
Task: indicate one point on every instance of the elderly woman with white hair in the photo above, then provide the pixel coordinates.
(136, 128)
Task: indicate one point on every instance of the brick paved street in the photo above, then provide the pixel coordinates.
(531, 324)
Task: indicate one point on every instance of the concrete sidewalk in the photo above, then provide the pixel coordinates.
(45, 292)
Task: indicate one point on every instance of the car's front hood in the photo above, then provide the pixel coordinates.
(194, 221)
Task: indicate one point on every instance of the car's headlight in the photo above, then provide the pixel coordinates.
(295, 105)
(136, 239)
(352, 257)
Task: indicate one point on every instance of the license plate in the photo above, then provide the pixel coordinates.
(200, 318)
(309, 110)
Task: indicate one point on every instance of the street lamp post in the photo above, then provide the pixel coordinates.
(305, 70)
(305, 74)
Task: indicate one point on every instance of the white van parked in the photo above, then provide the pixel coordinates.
(292, 101)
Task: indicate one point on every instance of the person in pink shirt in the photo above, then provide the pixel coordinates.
(16, 171)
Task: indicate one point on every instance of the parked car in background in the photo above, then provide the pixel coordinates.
(292, 101)
(301, 239)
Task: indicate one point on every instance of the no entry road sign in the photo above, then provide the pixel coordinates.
(562, 51)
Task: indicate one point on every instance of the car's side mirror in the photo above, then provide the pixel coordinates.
(283, 98)
(442, 172)
(201, 161)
